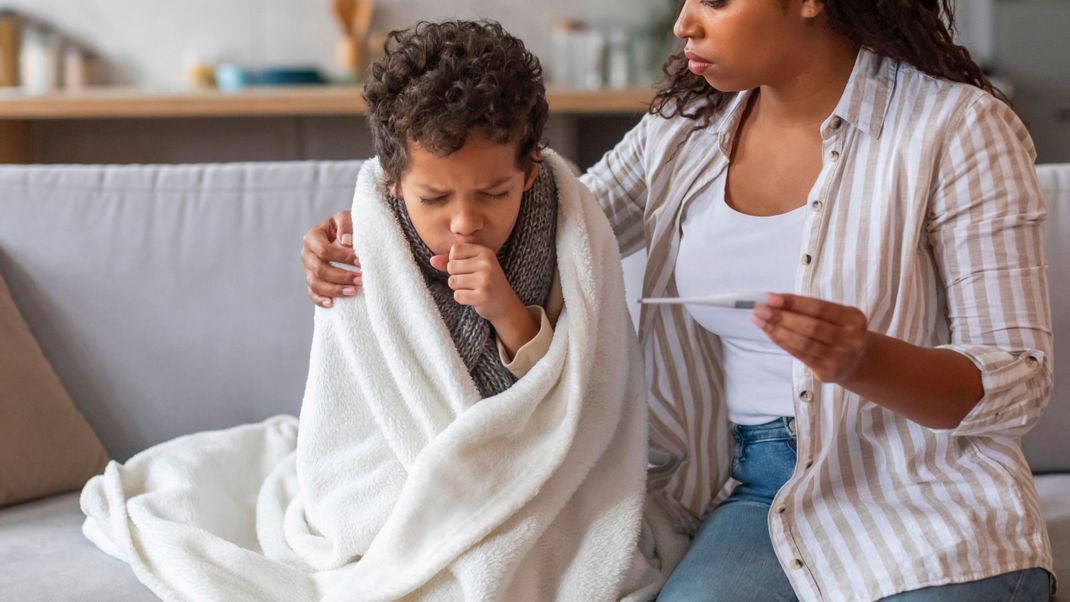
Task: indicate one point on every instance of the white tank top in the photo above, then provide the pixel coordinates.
(724, 251)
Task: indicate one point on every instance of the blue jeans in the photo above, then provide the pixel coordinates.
(731, 557)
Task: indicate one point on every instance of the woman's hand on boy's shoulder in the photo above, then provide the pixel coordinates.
(330, 241)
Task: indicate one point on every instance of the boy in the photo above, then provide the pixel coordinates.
(457, 111)
(397, 481)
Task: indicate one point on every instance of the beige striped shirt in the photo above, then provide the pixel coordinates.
(927, 216)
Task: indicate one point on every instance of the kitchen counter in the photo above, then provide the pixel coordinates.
(95, 103)
(123, 125)
(259, 123)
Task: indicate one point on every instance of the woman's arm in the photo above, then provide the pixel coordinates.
(986, 229)
(936, 388)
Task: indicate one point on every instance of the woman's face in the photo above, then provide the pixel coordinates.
(470, 196)
(743, 44)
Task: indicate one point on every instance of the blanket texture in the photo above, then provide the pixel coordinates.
(402, 482)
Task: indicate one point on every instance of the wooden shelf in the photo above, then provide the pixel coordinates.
(118, 103)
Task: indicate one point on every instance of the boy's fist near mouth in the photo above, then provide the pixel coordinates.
(477, 280)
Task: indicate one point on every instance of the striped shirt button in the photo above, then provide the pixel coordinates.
(796, 563)
(816, 205)
(1031, 362)
(808, 463)
(781, 509)
(806, 259)
(834, 156)
(836, 123)
(806, 396)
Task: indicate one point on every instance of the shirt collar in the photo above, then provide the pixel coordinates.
(868, 94)
(864, 103)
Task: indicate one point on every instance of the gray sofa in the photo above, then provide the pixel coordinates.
(170, 300)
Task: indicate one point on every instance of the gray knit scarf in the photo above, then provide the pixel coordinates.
(529, 260)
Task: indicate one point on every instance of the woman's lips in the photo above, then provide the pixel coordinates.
(696, 64)
(697, 67)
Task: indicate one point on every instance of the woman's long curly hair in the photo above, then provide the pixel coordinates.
(916, 32)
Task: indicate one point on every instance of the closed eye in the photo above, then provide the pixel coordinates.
(497, 195)
(432, 201)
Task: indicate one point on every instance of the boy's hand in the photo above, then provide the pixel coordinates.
(477, 279)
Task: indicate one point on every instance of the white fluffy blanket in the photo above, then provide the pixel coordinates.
(401, 482)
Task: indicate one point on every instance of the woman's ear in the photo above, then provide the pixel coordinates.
(812, 9)
(536, 163)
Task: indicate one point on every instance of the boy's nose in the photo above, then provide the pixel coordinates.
(466, 223)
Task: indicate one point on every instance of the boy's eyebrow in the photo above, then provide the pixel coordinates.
(499, 182)
(432, 190)
(429, 188)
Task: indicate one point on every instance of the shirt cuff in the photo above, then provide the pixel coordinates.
(1014, 390)
(533, 350)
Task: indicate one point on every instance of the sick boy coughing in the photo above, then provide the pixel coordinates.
(457, 112)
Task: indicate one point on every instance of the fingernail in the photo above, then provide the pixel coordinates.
(327, 303)
(763, 313)
(349, 291)
(347, 240)
(774, 300)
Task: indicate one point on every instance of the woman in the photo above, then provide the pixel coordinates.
(858, 438)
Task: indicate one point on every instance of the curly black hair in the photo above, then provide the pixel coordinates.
(915, 32)
(438, 82)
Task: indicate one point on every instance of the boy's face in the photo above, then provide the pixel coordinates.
(471, 196)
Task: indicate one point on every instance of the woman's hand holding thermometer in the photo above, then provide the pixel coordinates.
(831, 339)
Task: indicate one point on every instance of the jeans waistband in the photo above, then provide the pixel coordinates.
(777, 430)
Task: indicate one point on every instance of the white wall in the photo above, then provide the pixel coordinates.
(146, 40)
(976, 27)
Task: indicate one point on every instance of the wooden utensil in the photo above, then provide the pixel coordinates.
(344, 11)
(362, 19)
(350, 57)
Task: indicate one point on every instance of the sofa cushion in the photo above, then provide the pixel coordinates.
(46, 446)
(1054, 491)
(45, 557)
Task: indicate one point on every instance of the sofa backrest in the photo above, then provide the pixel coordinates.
(1047, 446)
(170, 298)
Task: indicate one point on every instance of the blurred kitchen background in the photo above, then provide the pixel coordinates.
(118, 81)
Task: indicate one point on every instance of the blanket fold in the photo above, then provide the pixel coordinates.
(401, 482)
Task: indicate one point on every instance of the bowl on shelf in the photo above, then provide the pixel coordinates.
(233, 78)
(291, 76)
